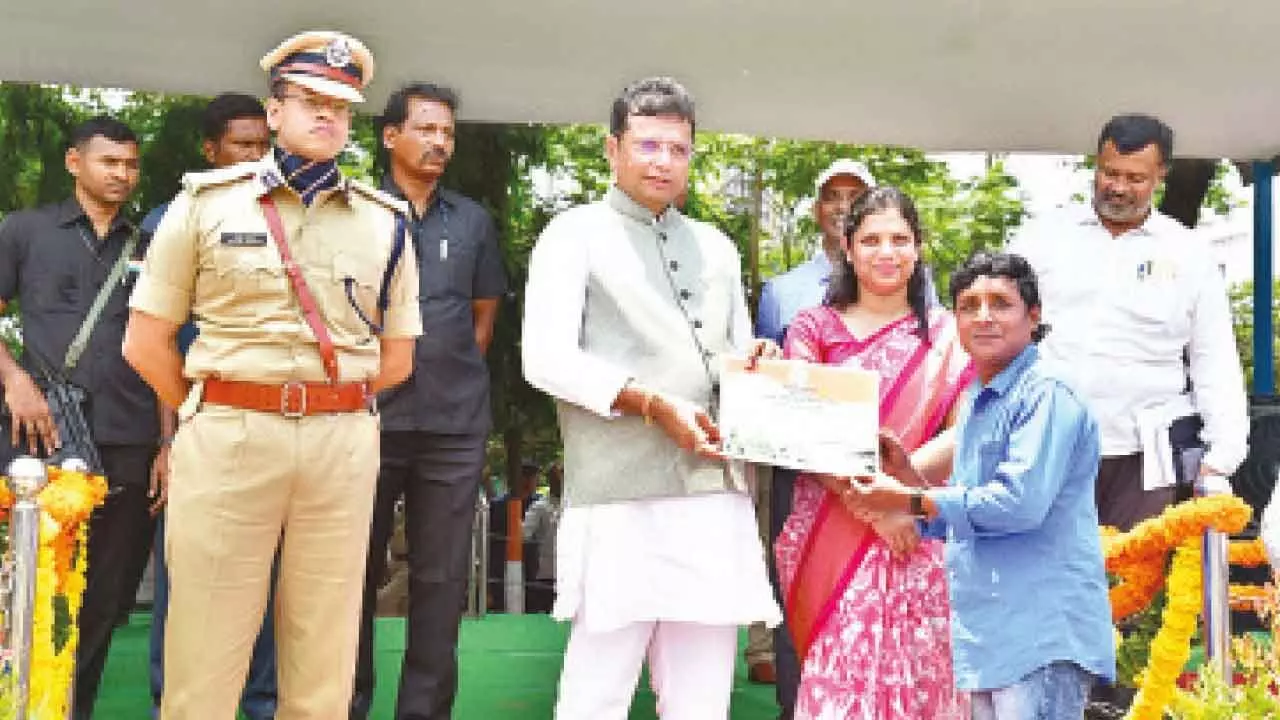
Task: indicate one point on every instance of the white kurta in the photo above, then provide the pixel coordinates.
(697, 557)
(692, 559)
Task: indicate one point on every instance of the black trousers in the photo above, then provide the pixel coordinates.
(1122, 503)
(120, 535)
(785, 662)
(439, 477)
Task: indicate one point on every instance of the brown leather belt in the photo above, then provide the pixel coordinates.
(291, 399)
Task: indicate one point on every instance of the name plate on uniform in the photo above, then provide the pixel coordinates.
(787, 413)
(244, 239)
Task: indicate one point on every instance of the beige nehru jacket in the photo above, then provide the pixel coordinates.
(615, 294)
(213, 258)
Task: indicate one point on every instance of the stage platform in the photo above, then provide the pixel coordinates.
(508, 671)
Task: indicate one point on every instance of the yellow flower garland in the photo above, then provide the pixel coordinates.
(1248, 553)
(1137, 557)
(1172, 644)
(66, 503)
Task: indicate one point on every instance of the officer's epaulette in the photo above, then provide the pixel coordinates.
(391, 202)
(195, 182)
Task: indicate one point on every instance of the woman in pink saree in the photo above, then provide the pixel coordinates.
(866, 599)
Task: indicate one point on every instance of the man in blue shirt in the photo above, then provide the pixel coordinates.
(805, 285)
(1031, 619)
(235, 130)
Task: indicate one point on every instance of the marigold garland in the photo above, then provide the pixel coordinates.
(1248, 597)
(66, 502)
(1172, 644)
(1154, 537)
(1248, 553)
(1137, 559)
(1138, 587)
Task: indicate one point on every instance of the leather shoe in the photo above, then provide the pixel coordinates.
(762, 673)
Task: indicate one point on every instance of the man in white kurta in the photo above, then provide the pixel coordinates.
(1140, 320)
(627, 308)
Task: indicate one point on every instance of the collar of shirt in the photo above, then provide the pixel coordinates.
(70, 212)
(1151, 226)
(626, 205)
(307, 177)
(269, 176)
(1004, 380)
(438, 197)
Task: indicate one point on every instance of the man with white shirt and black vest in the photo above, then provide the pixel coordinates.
(1140, 317)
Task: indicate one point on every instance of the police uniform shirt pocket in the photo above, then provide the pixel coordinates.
(240, 276)
(356, 282)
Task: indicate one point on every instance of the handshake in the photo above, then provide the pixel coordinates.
(890, 501)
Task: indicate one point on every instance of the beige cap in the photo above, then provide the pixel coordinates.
(327, 62)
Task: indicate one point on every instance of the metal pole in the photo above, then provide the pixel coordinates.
(1264, 341)
(1217, 601)
(484, 554)
(478, 581)
(27, 476)
(513, 571)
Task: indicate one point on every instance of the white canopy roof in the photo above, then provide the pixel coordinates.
(1002, 75)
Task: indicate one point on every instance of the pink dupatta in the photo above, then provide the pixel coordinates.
(920, 383)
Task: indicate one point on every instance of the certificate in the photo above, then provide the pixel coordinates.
(820, 418)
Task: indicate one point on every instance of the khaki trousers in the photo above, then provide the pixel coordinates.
(242, 482)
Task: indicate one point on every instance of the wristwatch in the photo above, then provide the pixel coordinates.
(917, 503)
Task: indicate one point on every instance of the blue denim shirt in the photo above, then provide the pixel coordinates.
(1024, 556)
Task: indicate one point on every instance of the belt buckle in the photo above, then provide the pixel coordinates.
(288, 391)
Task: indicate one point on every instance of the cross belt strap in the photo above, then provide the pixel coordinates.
(81, 340)
(305, 299)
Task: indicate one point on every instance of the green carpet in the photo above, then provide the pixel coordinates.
(508, 671)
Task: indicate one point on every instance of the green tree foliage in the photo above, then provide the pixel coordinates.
(1241, 296)
(34, 124)
(758, 190)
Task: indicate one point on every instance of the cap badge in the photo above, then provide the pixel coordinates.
(338, 53)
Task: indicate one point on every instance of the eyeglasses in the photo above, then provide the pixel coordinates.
(654, 148)
(316, 104)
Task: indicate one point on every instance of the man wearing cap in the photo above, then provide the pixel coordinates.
(306, 307)
(780, 299)
(235, 131)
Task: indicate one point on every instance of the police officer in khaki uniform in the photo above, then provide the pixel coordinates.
(306, 308)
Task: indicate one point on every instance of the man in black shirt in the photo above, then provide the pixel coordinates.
(53, 262)
(435, 425)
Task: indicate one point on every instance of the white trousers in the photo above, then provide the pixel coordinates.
(690, 668)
